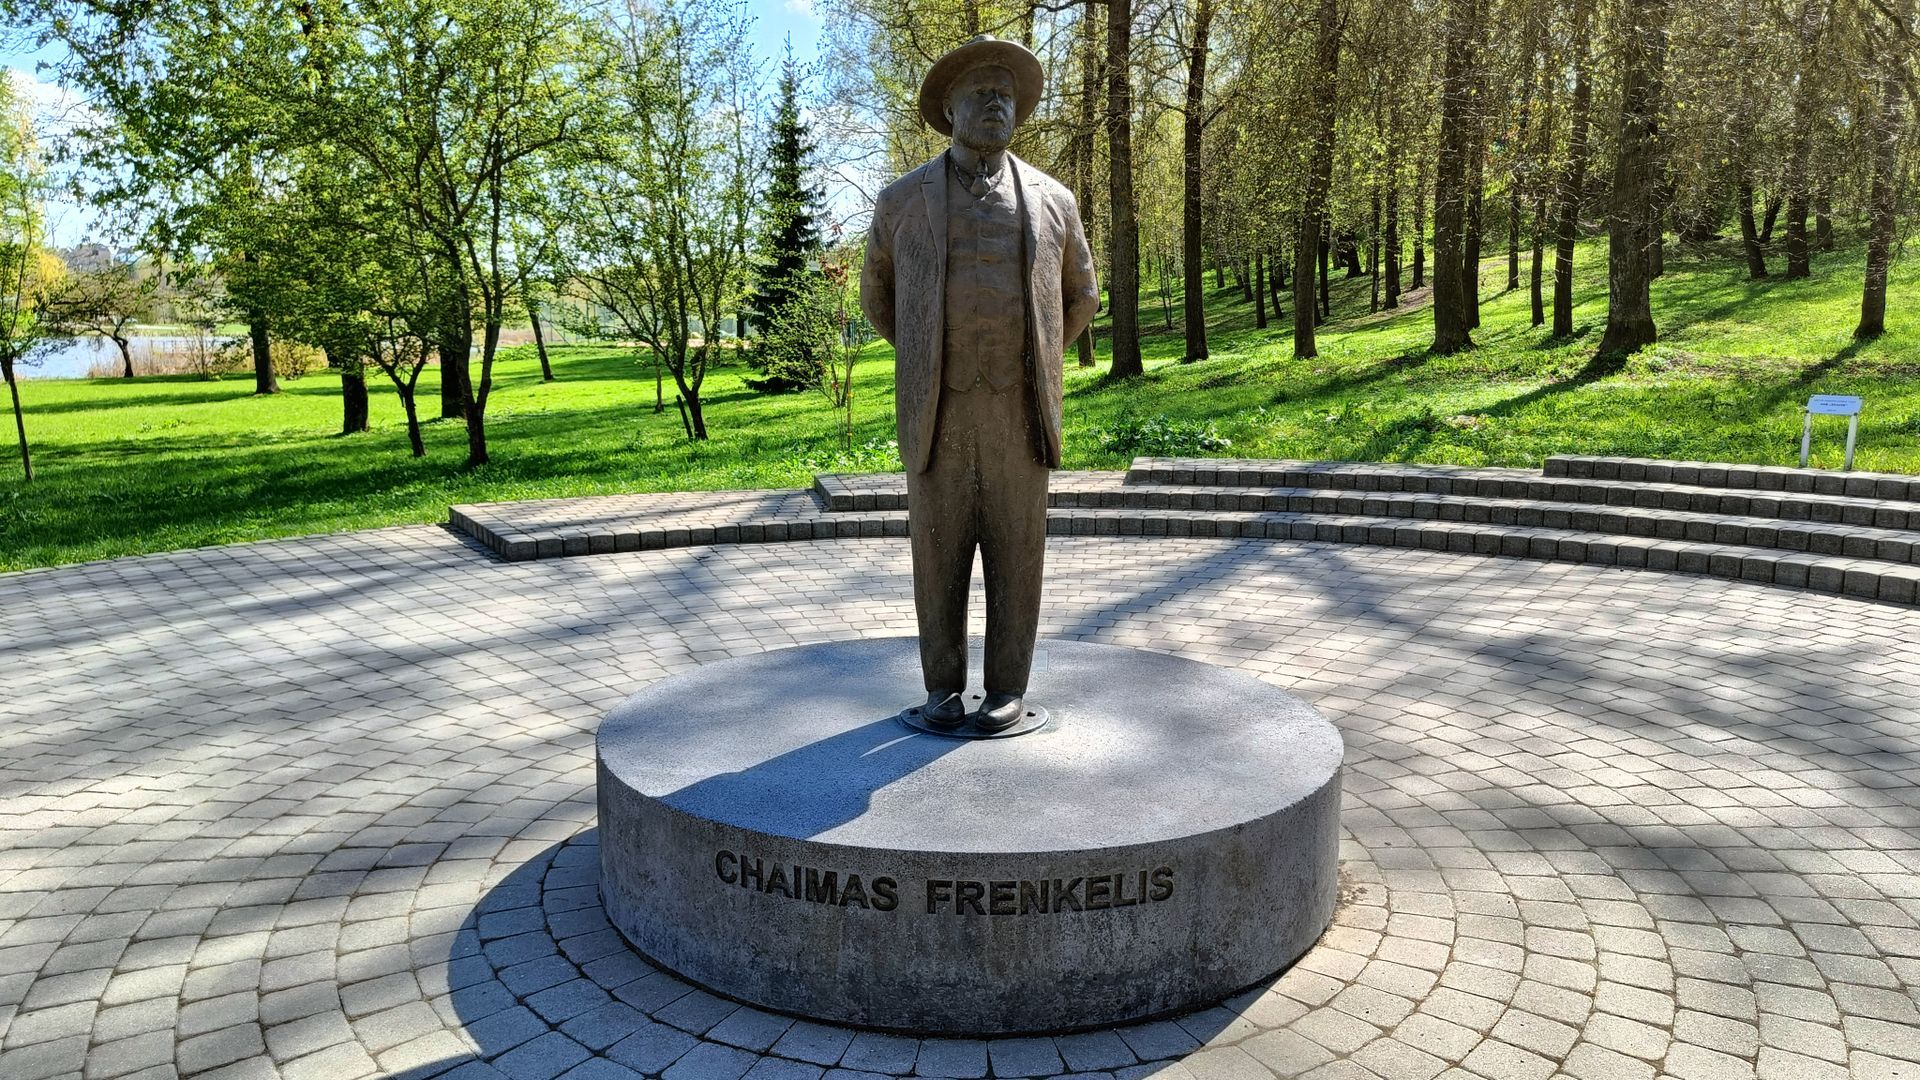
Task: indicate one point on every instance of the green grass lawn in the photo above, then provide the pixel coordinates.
(161, 463)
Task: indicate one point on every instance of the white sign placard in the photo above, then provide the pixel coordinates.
(1833, 405)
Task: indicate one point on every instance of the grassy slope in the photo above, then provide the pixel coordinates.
(162, 463)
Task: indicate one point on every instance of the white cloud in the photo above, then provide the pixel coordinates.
(802, 8)
(56, 109)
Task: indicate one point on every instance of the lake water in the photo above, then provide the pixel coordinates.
(73, 358)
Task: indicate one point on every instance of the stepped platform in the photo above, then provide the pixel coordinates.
(1856, 534)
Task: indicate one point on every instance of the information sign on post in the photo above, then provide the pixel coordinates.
(1830, 405)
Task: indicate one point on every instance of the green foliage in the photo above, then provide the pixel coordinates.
(158, 463)
(874, 455)
(657, 217)
(789, 241)
(1159, 436)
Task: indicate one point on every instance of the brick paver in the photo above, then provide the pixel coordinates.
(324, 808)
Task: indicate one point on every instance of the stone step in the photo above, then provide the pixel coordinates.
(1858, 541)
(1347, 475)
(1737, 476)
(1521, 484)
(1099, 491)
(1868, 578)
(841, 492)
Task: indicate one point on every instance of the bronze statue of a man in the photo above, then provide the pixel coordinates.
(978, 273)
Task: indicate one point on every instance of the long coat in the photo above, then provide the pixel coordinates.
(903, 288)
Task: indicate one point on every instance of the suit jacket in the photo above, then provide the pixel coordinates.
(903, 290)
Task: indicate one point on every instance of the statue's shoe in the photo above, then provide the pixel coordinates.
(999, 712)
(944, 710)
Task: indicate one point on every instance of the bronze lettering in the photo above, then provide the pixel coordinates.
(1099, 893)
(1162, 884)
(823, 886)
(1006, 896)
(854, 894)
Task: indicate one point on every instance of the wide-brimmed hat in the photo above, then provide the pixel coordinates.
(977, 52)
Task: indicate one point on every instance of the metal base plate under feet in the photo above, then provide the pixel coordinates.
(1034, 719)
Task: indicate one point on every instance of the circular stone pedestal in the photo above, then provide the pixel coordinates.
(771, 830)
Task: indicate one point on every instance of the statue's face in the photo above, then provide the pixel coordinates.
(980, 106)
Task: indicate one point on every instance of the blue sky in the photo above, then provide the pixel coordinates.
(774, 21)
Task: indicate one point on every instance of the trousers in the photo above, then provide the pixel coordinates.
(985, 488)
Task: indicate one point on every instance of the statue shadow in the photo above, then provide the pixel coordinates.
(839, 775)
(537, 982)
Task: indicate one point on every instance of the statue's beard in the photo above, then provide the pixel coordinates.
(984, 138)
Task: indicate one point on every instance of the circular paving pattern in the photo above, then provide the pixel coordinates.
(324, 809)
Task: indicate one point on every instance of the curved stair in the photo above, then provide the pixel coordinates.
(1851, 533)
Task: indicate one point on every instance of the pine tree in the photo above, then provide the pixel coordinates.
(790, 242)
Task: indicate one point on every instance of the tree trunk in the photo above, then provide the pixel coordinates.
(1476, 203)
(477, 395)
(476, 439)
(1811, 27)
(1243, 273)
(1084, 145)
(1536, 294)
(1373, 254)
(1322, 101)
(1123, 274)
(353, 401)
(411, 404)
(1276, 281)
(1513, 240)
(1631, 215)
(1349, 255)
(1574, 178)
(1393, 227)
(1799, 262)
(1326, 284)
(1882, 204)
(1750, 241)
(1193, 272)
(126, 356)
(264, 380)
(1523, 164)
(1452, 176)
(19, 421)
(1259, 290)
(1769, 218)
(456, 354)
(696, 416)
(540, 342)
(1823, 213)
(1420, 225)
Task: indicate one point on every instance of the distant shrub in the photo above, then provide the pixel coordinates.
(291, 360)
(874, 455)
(1160, 436)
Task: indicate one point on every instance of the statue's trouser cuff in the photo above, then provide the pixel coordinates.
(987, 487)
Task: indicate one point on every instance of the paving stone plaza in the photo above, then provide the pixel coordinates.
(324, 808)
